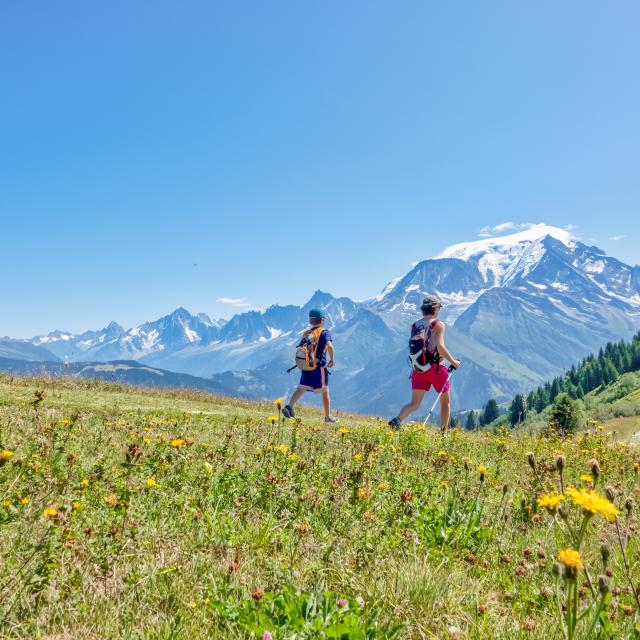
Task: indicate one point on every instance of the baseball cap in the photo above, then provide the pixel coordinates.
(317, 314)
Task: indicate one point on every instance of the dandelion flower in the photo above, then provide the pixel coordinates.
(50, 512)
(592, 502)
(76, 506)
(6, 454)
(278, 402)
(177, 443)
(84, 482)
(273, 419)
(550, 501)
(586, 478)
(343, 430)
(24, 500)
(571, 559)
(151, 482)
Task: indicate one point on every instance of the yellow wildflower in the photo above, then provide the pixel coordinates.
(293, 457)
(84, 482)
(151, 482)
(177, 443)
(586, 478)
(5, 455)
(442, 454)
(343, 430)
(192, 605)
(50, 512)
(482, 470)
(364, 493)
(76, 506)
(358, 456)
(24, 500)
(278, 402)
(383, 485)
(592, 502)
(6, 503)
(571, 559)
(282, 448)
(259, 452)
(273, 419)
(550, 501)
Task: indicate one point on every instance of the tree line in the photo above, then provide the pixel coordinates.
(612, 361)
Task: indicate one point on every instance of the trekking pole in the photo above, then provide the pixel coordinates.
(451, 370)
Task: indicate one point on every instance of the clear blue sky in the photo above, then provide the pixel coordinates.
(290, 146)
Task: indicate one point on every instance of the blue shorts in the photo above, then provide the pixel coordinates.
(316, 380)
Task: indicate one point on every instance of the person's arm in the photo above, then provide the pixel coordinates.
(330, 350)
(442, 350)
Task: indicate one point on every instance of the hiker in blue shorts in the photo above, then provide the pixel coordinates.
(317, 379)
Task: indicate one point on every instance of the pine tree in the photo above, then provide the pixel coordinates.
(542, 399)
(472, 421)
(609, 373)
(517, 410)
(555, 389)
(531, 401)
(454, 423)
(491, 412)
(566, 414)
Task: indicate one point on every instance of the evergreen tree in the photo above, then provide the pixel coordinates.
(609, 373)
(517, 410)
(555, 389)
(531, 401)
(454, 423)
(491, 412)
(472, 421)
(566, 414)
(542, 399)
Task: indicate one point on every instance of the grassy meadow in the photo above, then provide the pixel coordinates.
(144, 514)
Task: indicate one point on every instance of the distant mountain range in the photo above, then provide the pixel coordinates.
(518, 308)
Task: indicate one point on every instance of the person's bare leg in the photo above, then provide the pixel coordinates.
(445, 410)
(413, 405)
(326, 403)
(297, 394)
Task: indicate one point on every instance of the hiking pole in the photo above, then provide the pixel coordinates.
(451, 370)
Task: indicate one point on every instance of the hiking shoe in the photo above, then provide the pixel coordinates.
(331, 419)
(287, 412)
(394, 423)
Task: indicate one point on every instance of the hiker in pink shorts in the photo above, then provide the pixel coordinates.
(426, 350)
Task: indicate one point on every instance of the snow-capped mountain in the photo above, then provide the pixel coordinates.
(519, 309)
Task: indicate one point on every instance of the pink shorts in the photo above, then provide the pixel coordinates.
(436, 377)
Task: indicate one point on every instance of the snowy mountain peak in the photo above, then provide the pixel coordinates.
(500, 259)
(506, 244)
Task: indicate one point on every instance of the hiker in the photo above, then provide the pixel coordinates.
(318, 340)
(427, 348)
